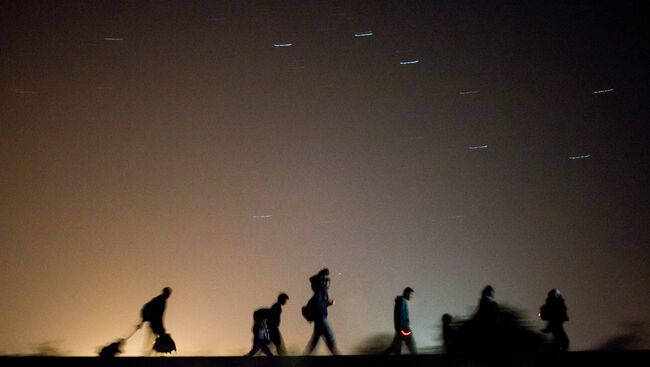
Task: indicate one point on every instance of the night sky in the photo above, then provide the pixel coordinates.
(231, 149)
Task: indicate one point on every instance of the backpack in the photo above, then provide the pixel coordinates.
(308, 313)
(308, 310)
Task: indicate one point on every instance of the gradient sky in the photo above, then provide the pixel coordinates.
(153, 143)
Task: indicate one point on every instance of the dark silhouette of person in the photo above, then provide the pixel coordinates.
(487, 314)
(318, 305)
(274, 323)
(261, 338)
(486, 321)
(402, 323)
(554, 311)
(447, 333)
(154, 310)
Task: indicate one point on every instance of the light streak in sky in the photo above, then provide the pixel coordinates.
(113, 39)
(364, 34)
(409, 62)
(603, 91)
(283, 45)
(476, 147)
(262, 216)
(466, 92)
(24, 91)
(580, 157)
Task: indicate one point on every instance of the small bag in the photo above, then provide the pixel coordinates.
(164, 344)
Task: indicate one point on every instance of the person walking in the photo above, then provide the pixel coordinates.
(317, 310)
(153, 312)
(554, 311)
(402, 323)
(261, 338)
(274, 323)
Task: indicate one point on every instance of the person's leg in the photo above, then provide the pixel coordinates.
(281, 349)
(318, 332)
(561, 339)
(266, 350)
(149, 340)
(157, 327)
(410, 343)
(329, 337)
(253, 351)
(395, 346)
(276, 339)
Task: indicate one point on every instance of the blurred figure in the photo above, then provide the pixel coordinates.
(316, 311)
(261, 338)
(492, 329)
(274, 323)
(487, 315)
(112, 349)
(447, 333)
(486, 322)
(152, 312)
(115, 348)
(554, 311)
(402, 323)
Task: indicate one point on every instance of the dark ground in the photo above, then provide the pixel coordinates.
(627, 358)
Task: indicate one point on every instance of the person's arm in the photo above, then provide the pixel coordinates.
(405, 321)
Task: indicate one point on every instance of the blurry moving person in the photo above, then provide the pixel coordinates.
(554, 311)
(447, 333)
(261, 337)
(488, 312)
(402, 323)
(316, 311)
(152, 312)
(274, 323)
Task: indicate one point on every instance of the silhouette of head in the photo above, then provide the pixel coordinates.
(282, 298)
(446, 319)
(166, 292)
(554, 293)
(324, 272)
(408, 292)
(488, 292)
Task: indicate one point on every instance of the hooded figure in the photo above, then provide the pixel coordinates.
(317, 310)
(555, 312)
(402, 323)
